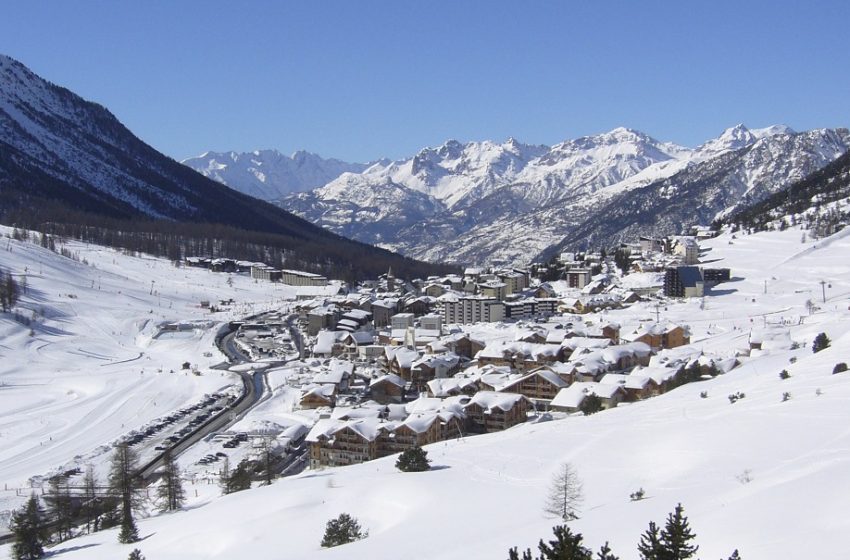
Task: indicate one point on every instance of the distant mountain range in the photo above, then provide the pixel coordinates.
(488, 202)
(269, 174)
(61, 155)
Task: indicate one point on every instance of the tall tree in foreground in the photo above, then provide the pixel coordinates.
(170, 491)
(673, 542)
(565, 546)
(28, 527)
(650, 547)
(677, 536)
(125, 485)
(565, 493)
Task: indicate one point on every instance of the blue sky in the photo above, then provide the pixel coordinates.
(363, 80)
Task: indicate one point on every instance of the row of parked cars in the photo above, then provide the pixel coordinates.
(200, 412)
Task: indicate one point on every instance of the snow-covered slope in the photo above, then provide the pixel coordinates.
(767, 477)
(269, 174)
(489, 202)
(87, 362)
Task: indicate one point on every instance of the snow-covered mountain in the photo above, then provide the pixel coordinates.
(269, 174)
(61, 155)
(490, 202)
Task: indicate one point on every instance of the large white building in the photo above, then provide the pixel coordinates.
(300, 278)
(473, 309)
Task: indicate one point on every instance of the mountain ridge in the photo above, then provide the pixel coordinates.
(63, 156)
(494, 203)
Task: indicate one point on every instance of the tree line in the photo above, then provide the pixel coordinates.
(334, 257)
(71, 510)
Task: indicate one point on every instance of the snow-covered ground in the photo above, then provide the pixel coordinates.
(765, 476)
(95, 363)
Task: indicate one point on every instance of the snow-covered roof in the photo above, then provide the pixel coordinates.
(388, 378)
(491, 400)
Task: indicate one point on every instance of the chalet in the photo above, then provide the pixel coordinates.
(337, 443)
(337, 373)
(658, 336)
(401, 361)
(452, 387)
(571, 398)
(319, 396)
(519, 355)
(415, 431)
(330, 343)
(544, 290)
(635, 387)
(387, 389)
(432, 366)
(489, 411)
(541, 385)
(434, 290)
(353, 341)
(463, 345)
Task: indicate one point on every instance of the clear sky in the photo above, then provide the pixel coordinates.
(359, 80)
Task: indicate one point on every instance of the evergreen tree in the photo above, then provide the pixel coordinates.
(126, 485)
(414, 459)
(650, 547)
(565, 546)
(514, 555)
(605, 553)
(238, 479)
(136, 555)
(129, 533)
(170, 491)
(821, 342)
(676, 537)
(565, 494)
(342, 530)
(28, 527)
(591, 404)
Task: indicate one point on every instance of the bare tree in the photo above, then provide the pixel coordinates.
(565, 493)
(170, 490)
(126, 486)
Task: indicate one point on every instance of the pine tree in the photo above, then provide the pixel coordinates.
(129, 533)
(170, 491)
(650, 547)
(677, 536)
(565, 546)
(605, 553)
(591, 404)
(414, 459)
(514, 555)
(238, 479)
(136, 555)
(342, 530)
(821, 342)
(565, 493)
(28, 527)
